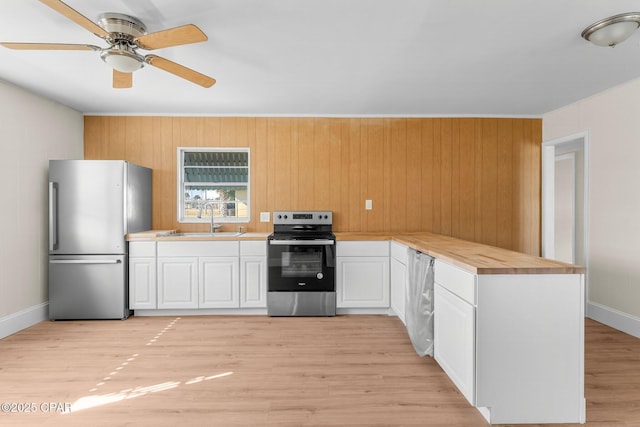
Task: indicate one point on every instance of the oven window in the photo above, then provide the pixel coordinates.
(302, 262)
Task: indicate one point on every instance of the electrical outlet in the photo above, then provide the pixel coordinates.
(368, 204)
(265, 216)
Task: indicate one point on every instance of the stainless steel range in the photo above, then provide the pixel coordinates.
(302, 264)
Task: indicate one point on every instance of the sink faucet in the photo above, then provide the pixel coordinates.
(209, 205)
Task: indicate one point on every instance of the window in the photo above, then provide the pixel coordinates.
(213, 181)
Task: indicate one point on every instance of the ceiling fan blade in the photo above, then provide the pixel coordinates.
(122, 80)
(180, 71)
(49, 46)
(77, 17)
(177, 36)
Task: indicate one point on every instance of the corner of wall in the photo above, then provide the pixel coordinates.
(33, 130)
(23, 319)
(614, 318)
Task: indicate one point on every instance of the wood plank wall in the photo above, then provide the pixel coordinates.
(472, 178)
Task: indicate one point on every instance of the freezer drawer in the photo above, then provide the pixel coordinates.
(88, 287)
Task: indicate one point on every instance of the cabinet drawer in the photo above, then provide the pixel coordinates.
(142, 249)
(399, 252)
(361, 248)
(457, 281)
(198, 248)
(253, 248)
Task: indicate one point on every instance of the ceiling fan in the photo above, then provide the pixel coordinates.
(125, 34)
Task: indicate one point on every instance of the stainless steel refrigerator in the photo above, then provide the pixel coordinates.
(93, 204)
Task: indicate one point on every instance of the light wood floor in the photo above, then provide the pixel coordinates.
(256, 371)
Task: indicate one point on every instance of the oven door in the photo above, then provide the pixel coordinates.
(301, 265)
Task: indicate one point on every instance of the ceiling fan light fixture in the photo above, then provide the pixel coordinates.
(122, 59)
(125, 34)
(613, 30)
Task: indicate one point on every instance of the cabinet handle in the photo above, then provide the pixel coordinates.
(301, 242)
(53, 216)
(85, 261)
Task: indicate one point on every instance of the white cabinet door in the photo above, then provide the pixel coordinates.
(219, 282)
(253, 281)
(454, 340)
(142, 283)
(178, 282)
(362, 282)
(398, 287)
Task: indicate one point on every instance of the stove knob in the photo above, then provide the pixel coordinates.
(285, 217)
(326, 217)
(319, 276)
(279, 216)
(319, 216)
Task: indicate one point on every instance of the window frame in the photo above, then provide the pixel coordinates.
(181, 187)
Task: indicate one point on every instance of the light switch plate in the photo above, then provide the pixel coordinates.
(265, 216)
(368, 204)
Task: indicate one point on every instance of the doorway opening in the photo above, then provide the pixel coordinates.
(565, 172)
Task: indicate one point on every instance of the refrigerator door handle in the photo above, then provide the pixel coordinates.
(85, 261)
(53, 216)
(126, 202)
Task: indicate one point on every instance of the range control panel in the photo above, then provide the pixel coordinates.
(302, 217)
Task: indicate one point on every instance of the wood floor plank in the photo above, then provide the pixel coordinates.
(257, 370)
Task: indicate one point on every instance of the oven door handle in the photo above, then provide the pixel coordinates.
(301, 242)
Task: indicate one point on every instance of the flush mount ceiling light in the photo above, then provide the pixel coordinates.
(613, 30)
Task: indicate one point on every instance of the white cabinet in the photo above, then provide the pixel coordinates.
(142, 275)
(454, 335)
(198, 274)
(398, 278)
(218, 282)
(253, 274)
(362, 274)
(177, 282)
(455, 326)
(512, 343)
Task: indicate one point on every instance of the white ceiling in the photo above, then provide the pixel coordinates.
(332, 57)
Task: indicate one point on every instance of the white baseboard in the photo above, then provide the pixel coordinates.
(374, 311)
(616, 319)
(201, 312)
(23, 319)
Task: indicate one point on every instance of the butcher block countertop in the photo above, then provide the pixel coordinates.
(359, 236)
(483, 259)
(473, 257)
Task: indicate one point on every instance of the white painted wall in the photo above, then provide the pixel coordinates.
(32, 131)
(611, 120)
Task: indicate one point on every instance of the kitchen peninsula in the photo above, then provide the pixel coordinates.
(509, 327)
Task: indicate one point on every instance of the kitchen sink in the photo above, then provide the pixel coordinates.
(216, 234)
